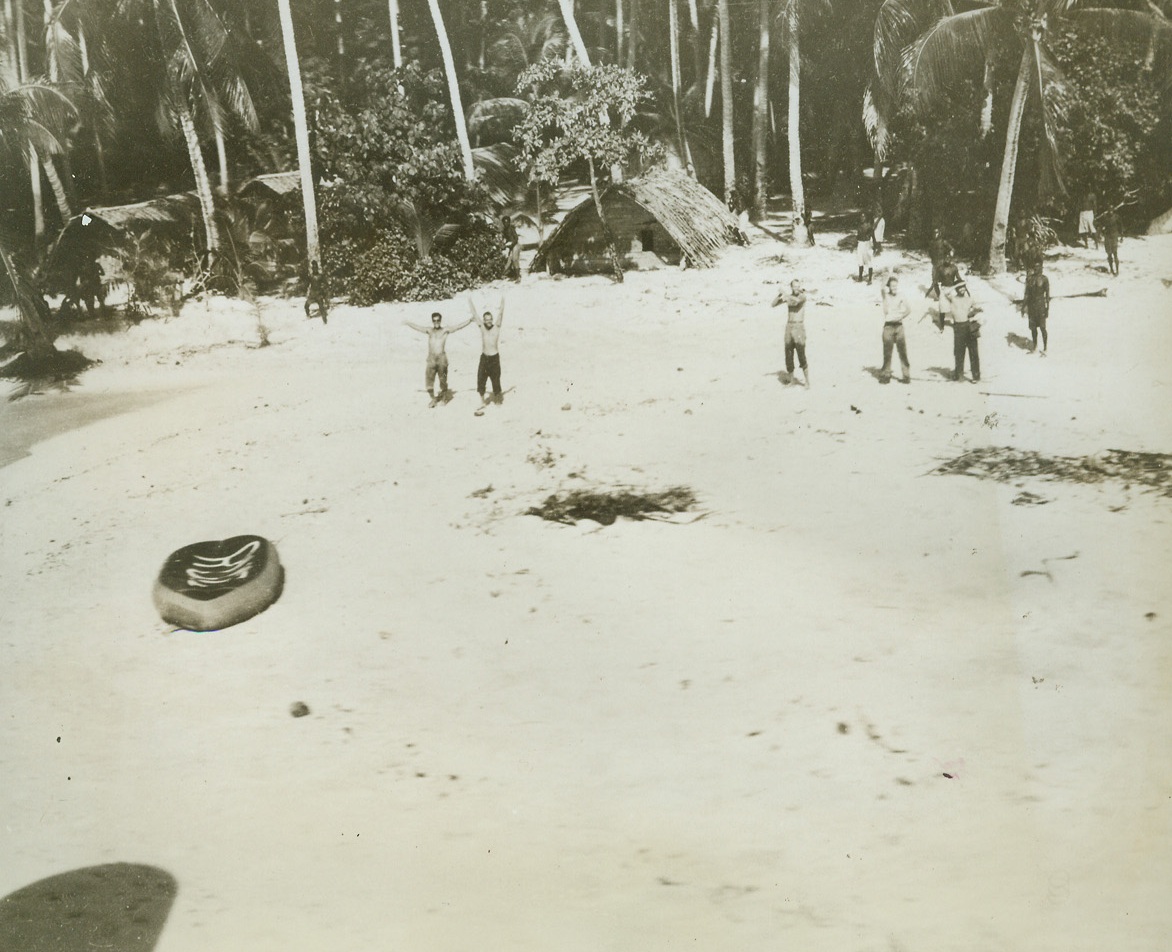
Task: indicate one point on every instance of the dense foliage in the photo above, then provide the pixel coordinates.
(399, 220)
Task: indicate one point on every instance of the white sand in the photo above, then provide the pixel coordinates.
(725, 735)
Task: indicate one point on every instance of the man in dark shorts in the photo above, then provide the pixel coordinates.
(490, 353)
(795, 329)
(437, 355)
(1037, 307)
(965, 331)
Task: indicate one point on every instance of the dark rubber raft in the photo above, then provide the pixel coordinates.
(207, 586)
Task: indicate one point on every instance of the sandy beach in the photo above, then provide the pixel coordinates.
(848, 703)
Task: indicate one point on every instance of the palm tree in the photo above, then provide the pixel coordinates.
(567, 8)
(761, 111)
(453, 90)
(959, 43)
(726, 103)
(791, 13)
(301, 132)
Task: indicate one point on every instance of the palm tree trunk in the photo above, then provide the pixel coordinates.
(567, 8)
(711, 83)
(38, 340)
(301, 133)
(203, 184)
(396, 46)
(339, 39)
(1009, 164)
(674, 26)
(222, 159)
(83, 48)
(607, 234)
(726, 105)
(633, 35)
(57, 187)
(454, 89)
(761, 113)
(618, 31)
(801, 235)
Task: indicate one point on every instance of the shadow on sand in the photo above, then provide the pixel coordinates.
(120, 906)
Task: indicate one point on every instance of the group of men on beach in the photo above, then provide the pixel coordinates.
(951, 304)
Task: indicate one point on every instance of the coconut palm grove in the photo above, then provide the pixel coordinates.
(408, 130)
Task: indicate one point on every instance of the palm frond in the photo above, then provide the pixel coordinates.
(953, 49)
(1049, 87)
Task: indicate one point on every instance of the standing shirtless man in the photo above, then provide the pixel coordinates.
(490, 354)
(437, 356)
(795, 329)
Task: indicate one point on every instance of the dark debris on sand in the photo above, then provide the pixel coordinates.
(605, 506)
(1150, 471)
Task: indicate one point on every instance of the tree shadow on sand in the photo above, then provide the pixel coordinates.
(121, 906)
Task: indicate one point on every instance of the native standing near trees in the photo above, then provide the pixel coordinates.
(1086, 222)
(795, 329)
(1109, 226)
(1037, 307)
(864, 248)
(512, 248)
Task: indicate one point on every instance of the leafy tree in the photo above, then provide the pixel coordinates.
(397, 191)
(581, 114)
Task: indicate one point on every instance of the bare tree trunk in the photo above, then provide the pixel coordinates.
(203, 184)
(454, 89)
(633, 36)
(396, 46)
(1009, 164)
(301, 133)
(33, 311)
(339, 39)
(222, 159)
(726, 105)
(677, 103)
(567, 8)
(761, 113)
(801, 234)
(711, 83)
(618, 31)
(85, 71)
(987, 104)
(607, 234)
(57, 187)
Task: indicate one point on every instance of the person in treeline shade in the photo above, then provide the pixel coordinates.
(865, 248)
(1086, 221)
(1109, 228)
(512, 248)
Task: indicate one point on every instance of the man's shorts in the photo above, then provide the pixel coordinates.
(865, 253)
(795, 334)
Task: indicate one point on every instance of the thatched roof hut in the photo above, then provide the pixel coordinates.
(656, 219)
(271, 184)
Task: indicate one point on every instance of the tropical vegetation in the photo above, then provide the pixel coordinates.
(415, 125)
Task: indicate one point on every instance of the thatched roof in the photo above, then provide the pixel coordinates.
(167, 208)
(693, 217)
(272, 183)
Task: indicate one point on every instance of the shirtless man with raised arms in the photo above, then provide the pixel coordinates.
(437, 356)
(490, 353)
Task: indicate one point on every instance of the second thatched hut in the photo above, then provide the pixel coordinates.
(661, 218)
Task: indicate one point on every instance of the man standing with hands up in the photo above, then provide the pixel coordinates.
(490, 354)
(795, 328)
